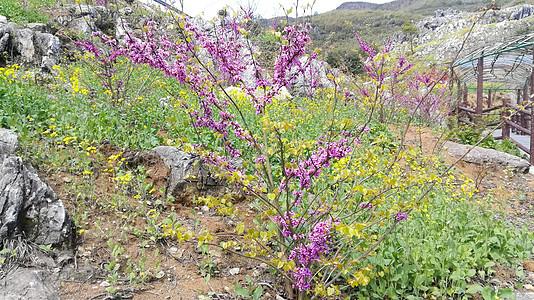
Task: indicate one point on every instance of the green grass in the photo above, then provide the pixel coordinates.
(17, 11)
(438, 251)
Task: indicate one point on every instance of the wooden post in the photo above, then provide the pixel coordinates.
(515, 117)
(504, 116)
(531, 154)
(466, 92)
(480, 90)
(523, 116)
(459, 100)
(489, 98)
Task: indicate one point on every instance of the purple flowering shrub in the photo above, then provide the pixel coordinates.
(324, 199)
(401, 86)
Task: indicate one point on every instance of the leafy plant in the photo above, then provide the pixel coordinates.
(250, 291)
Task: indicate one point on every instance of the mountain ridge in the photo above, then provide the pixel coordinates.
(425, 7)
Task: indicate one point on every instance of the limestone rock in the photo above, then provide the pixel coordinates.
(479, 155)
(49, 48)
(318, 70)
(4, 40)
(22, 284)
(3, 20)
(83, 25)
(85, 10)
(30, 207)
(522, 12)
(189, 176)
(23, 42)
(36, 26)
(8, 141)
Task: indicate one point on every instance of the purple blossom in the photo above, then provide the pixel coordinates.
(401, 216)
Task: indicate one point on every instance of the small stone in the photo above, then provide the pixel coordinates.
(264, 266)
(529, 287)
(160, 274)
(205, 208)
(256, 273)
(95, 287)
(67, 179)
(105, 283)
(227, 289)
(173, 250)
(180, 253)
(233, 271)
(278, 297)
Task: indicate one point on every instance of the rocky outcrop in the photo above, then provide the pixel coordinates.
(442, 35)
(478, 155)
(190, 177)
(23, 283)
(522, 12)
(30, 44)
(28, 206)
(8, 142)
(314, 75)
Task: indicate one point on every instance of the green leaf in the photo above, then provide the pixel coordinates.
(473, 289)
(258, 292)
(241, 291)
(506, 293)
(471, 272)
(488, 293)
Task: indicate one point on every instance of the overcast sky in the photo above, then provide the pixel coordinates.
(266, 8)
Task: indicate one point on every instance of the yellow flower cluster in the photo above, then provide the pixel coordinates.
(9, 73)
(124, 179)
(68, 139)
(90, 150)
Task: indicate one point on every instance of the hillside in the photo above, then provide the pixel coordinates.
(426, 7)
(357, 6)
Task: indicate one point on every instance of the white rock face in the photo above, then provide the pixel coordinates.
(478, 155)
(442, 35)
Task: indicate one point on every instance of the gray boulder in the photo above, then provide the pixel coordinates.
(479, 155)
(4, 40)
(316, 71)
(8, 142)
(23, 42)
(48, 47)
(190, 177)
(23, 284)
(84, 25)
(29, 206)
(31, 44)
